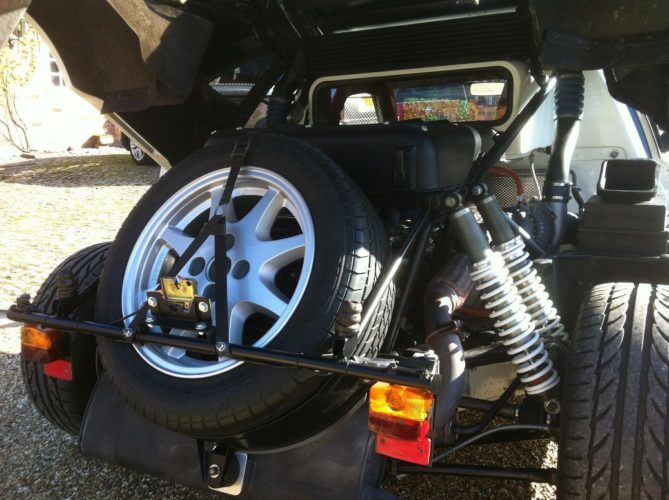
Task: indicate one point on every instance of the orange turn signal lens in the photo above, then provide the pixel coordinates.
(400, 401)
(42, 345)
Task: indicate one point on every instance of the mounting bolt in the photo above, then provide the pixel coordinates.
(477, 190)
(201, 326)
(451, 201)
(552, 406)
(152, 301)
(221, 347)
(203, 307)
(214, 471)
(149, 319)
(127, 333)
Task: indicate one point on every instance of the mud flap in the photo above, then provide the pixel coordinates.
(340, 463)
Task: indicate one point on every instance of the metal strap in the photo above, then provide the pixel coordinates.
(237, 159)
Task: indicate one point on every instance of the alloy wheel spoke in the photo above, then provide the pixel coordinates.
(262, 216)
(178, 352)
(216, 195)
(267, 299)
(176, 239)
(228, 208)
(275, 254)
(239, 313)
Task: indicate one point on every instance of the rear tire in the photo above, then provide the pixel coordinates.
(614, 440)
(62, 402)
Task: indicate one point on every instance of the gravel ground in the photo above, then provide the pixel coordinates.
(55, 206)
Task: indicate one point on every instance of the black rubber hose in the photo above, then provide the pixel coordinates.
(496, 221)
(279, 104)
(569, 102)
(446, 293)
(474, 242)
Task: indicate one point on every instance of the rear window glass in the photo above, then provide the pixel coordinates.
(457, 98)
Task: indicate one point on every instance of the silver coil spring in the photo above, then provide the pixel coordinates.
(514, 325)
(536, 299)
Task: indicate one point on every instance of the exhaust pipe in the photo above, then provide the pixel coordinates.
(447, 292)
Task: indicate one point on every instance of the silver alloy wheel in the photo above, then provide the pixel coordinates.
(136, 152)
(256, 257)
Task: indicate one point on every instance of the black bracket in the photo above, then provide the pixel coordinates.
(221, 468)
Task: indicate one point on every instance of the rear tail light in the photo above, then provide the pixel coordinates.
(42, 345)
(401, 418)
(60, 369)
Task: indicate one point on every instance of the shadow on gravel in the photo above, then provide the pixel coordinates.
(80, 171)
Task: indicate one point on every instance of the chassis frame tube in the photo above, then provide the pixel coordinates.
(348, 367)
(529, 475)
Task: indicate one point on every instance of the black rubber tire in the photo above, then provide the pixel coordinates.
(63, 403)
(614, 440)
(251, 405)
(144, 161)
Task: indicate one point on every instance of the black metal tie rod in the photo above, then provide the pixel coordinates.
(530, 475)
(382, 370)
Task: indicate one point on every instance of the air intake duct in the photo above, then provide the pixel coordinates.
(569, 101)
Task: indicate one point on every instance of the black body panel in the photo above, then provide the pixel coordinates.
(629, 38)
(409, 157)
(485, 38)
(113, 432)
(628, 214)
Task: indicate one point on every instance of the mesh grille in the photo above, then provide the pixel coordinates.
(504, 188)
(359, 110)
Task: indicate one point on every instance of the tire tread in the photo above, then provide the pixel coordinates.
(614, 427)
(63, 403)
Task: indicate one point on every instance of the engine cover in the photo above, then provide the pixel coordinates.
(386, 159)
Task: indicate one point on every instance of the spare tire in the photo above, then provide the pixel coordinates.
(302, 240)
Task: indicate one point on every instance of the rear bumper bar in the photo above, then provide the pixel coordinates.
(420, 373)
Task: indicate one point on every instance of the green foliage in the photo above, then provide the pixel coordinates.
(464, 111)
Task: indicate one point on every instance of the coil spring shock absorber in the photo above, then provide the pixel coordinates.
(499, 295)
(528, 283)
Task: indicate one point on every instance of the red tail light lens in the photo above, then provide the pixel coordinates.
(401, 428)
(60, 369)
(400, 417)
(417, 451)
